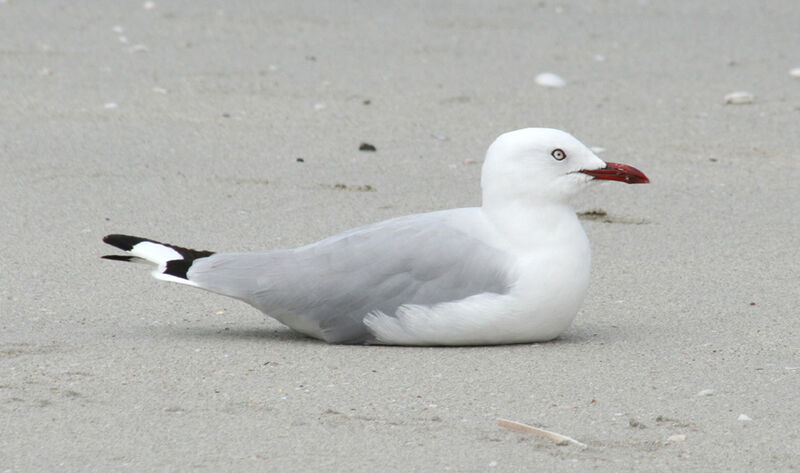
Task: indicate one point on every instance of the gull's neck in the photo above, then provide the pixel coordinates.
(528, 225)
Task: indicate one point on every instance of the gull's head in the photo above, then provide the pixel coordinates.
(545, 165)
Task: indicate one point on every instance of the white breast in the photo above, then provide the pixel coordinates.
(551, 277)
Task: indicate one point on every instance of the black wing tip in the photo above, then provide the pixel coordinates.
(176, 267)
(123, 242)
(119, 257)
(179, 268)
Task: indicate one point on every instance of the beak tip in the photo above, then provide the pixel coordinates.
(619, 172)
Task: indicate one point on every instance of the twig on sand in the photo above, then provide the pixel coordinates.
(527, 429)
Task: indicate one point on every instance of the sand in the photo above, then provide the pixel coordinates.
(184, 121)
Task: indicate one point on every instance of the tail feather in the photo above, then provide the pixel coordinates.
(173, 261)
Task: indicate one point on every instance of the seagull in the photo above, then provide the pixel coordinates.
(514, 270)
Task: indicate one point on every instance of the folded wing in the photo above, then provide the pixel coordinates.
(327, 288)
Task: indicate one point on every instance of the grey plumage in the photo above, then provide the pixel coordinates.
(327, 288)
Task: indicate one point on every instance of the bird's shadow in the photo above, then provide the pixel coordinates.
(583, 334)
(267, 334)
(591, 333)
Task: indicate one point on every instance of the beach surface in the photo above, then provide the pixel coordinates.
(236, 126)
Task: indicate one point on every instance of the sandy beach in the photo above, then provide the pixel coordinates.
(236, 126)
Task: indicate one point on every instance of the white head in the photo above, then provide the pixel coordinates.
(544, 165)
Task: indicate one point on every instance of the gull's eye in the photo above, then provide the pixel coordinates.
(559, 154)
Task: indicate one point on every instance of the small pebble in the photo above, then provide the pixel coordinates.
(548, 79)
(636, 424)
(149, 5)
(319, 106)
(118, 29)
(123, 39)
(744, 418)
(597, 149)
(706, 392)
(599, 58)
(676, 438)
(739, 98)
(795, 72)
(110, 105)
(160, 90)
(366, 147)
(138, 48)
(469, 161)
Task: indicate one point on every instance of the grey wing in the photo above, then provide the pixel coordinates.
(327, 288)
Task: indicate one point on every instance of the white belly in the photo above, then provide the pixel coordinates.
(549, 290)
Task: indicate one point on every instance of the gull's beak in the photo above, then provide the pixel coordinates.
(618, 172)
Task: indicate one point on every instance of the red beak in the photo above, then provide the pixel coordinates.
(619, 172)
